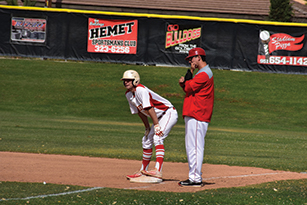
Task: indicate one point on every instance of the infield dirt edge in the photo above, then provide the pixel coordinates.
(107, 172)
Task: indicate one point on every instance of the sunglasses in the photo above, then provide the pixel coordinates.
(189, 59)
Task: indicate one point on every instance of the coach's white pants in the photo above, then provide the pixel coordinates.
(167, 121)
(195, 132)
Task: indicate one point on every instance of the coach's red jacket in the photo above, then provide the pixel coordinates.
(199, 98)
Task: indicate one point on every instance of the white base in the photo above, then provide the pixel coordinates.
(145, 179)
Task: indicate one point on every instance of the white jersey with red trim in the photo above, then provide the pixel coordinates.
(145, 98)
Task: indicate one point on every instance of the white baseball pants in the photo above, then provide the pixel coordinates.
(195, 132)
(167, 121)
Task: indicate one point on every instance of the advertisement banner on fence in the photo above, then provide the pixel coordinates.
(282, 48)
(28, 30)
(182, 38)
(112, 36)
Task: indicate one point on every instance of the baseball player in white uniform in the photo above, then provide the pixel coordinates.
(146, 103)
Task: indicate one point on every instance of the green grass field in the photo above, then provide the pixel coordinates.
(79, 108)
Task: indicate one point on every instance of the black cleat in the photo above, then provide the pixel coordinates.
(188, 183)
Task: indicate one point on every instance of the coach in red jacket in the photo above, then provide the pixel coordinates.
(197, 112)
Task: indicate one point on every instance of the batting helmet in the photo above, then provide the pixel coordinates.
(132, 75)
(195, 52)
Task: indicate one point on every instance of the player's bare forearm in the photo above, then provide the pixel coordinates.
(144, 120)
(153, 115)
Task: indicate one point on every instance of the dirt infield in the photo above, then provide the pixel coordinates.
(105, 172)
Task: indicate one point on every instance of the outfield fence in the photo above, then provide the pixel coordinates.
(152, 39)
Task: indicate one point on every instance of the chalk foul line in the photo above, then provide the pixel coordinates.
(49, 195)
(239, 176)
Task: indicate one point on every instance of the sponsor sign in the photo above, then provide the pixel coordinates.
(112, 36)
(182, 38)
(28, 30)
(281, 49)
